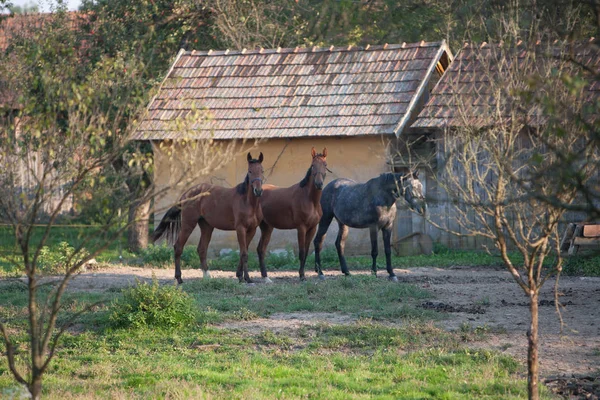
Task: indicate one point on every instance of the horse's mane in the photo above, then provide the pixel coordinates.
(242, 188)
(304, 180)
(388, 177)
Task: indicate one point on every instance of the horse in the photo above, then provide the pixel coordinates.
(366, 205)
(210, 206)
(295, 207)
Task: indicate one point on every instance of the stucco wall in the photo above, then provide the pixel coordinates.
(358, 158)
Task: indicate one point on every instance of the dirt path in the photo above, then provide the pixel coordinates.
(473, 298)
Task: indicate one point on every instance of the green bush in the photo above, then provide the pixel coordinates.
(163, 256)
(56, 259)
(152, 305)
(278, 261)
(158, 256)
(190, 258)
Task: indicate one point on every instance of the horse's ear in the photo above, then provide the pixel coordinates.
(260, 158)
(313, 152)
(415, 175)
(325, 152)
(249, 157)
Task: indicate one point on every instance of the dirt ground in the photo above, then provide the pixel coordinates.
(482, 299)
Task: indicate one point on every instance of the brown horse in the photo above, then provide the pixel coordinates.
(295, 207)
(209, 206)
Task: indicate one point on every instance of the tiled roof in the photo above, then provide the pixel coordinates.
(337, 91)
(464, 95)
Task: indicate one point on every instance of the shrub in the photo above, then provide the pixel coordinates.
(153, 305)
(56, 259)
(278, 261)
(163, 256)
(189, 257)
(158, 256)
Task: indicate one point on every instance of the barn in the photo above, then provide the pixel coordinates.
(467, 97)
(355, 101)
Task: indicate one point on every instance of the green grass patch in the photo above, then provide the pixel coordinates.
(583, 264)
(214, 363)
(362, 296)
(162, 256)
(369, 358)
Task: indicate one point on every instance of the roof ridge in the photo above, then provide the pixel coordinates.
(313, 49)
(502, 43)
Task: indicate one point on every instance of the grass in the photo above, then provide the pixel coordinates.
(363, 296)
(154, 364)
(585, 263)
(369, 358)
(162, 256)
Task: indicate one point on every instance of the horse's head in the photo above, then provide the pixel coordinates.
(255, 174)
(409, 186)
(318, 168)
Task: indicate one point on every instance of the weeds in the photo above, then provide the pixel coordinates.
(152, 305)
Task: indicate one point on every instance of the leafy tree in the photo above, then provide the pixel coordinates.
(147, 35)
(59, 150)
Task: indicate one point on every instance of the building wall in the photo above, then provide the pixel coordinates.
(285, 163)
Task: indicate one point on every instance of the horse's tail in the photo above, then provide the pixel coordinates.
(170, 225)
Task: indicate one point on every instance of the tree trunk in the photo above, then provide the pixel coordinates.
(532, 351)
(35, 387)
(139, 214)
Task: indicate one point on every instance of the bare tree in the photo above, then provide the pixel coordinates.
(254, 23)
(501, 145)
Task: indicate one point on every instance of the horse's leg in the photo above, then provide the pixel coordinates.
(373, 231)
(340, 244)
(387, 236)
(310, 233)
(205, 234)
(242, 272)
(249, 236)
(265, 236)
(185, 232)
(319, 239)
(302, 250)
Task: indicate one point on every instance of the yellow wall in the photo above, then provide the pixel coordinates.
(358, 158)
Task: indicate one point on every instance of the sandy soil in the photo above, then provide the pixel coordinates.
(470, 297)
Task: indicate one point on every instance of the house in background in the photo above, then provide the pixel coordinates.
(355, 101)
(464, 96)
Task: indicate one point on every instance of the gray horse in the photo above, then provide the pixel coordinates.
(366, 205)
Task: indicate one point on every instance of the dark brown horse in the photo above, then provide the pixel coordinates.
(295, 207)
(209, 206)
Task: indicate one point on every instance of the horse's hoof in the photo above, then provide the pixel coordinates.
(268, 280)
(321, 277)
(393, 278)
(179, 281)
(347, 274)
(206, 274)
